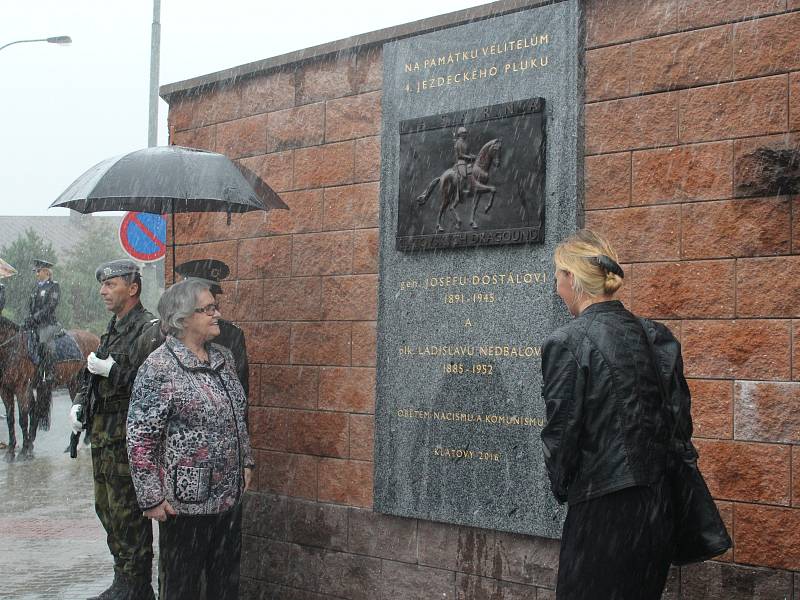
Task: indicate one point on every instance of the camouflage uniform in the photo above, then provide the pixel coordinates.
(129, 533)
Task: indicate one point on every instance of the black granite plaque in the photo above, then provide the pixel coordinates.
(461, 319)
(490, 193)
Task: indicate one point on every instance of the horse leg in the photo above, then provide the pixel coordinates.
(26, 417)
(453, 207)
(491, 200)
(44, 397)
(44, 406)
(443, 207)
(484, 188)
(8, 401)
(476, 197)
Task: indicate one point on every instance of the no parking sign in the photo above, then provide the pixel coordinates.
(143, 236)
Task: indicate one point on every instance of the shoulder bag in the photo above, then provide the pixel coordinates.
(699, 533)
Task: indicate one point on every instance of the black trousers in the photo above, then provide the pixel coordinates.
(200, 549)
(617, 546)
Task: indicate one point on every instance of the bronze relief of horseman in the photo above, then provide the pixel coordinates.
(495, 153)
(468, 176)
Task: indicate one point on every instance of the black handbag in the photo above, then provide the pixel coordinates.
(699, 533)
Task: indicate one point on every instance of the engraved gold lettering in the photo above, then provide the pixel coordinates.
(511, 351)
(458, 417)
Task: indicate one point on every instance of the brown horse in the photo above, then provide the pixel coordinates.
(477, 181)
(17, 374)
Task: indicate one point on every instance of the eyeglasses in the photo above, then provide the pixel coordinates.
(209, 309)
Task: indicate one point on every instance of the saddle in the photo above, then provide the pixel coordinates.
(63, 348)
(464, 169)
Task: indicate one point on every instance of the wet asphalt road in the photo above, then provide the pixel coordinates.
(51, 543)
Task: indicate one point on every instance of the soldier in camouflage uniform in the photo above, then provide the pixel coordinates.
(231, 336)
(129, 533)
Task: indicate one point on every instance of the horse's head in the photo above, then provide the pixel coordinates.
(490, 153)
(497, 146)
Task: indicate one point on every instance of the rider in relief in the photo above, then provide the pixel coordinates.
(464, 159)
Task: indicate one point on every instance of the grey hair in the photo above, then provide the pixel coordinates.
(178, 304)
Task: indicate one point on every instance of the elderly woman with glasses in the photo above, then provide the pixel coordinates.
(189, 450)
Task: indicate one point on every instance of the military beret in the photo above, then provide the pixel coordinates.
(116, 268)
(210, 270)
(38, 263)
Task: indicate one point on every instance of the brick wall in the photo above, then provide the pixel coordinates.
(682, 99)
(687, 102)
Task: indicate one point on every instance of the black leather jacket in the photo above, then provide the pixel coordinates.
(606, 428)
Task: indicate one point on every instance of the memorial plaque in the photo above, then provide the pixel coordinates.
(464, 308)
(496, 193)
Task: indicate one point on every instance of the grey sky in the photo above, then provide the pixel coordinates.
(64, 109)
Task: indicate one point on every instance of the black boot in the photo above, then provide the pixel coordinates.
(135, 589)
(111, 592)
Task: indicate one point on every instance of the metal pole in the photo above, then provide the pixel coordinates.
(22, 42)
(155, 49)
(61, 40)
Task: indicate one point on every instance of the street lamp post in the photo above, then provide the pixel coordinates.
(59, 39)
(155, 52)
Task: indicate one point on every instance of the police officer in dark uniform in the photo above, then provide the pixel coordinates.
(42, 321)
(107, 395)
(231, 336)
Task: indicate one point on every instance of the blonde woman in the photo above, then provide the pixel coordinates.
(606, 437)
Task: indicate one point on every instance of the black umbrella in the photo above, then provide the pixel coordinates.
(169, 179)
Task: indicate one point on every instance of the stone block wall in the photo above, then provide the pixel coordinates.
(689, 104)
(692, 123)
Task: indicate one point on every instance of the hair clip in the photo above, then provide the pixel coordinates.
(607, 263)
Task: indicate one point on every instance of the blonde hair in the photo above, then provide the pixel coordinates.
(586, 255)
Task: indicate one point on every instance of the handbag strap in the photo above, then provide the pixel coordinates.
(665, 406)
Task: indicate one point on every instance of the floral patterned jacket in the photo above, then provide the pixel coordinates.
(187, 434)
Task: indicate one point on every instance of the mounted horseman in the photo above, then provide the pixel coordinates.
(42, 321)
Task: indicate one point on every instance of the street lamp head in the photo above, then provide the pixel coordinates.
(60, 39)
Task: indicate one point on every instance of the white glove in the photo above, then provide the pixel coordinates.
(73, 419)
(99, 366)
